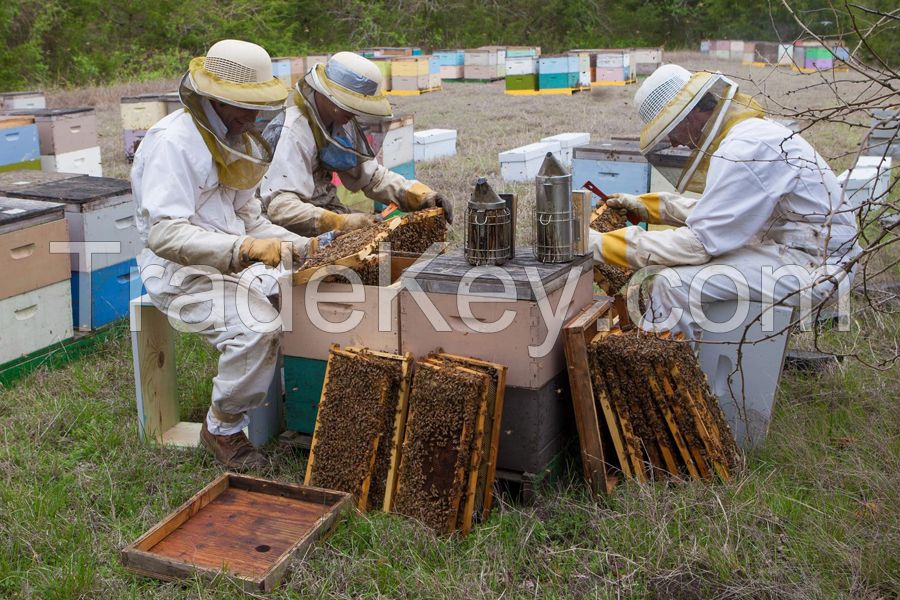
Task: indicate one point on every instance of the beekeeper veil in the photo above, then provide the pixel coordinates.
(353, 84)
(666, 98)
(239, 74)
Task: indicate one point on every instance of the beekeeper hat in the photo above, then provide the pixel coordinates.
(238, 73)
(351, 82)
(666, 97)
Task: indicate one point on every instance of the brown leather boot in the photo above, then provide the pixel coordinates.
(234, 451)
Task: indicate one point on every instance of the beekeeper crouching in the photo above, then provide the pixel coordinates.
(769, 214)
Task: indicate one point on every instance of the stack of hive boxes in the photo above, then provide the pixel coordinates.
(35, 295)
(22, 100)
(384, 65)
(884, 140)
(140, 113)
(537, 408)
(813, 55)
(558, 72)
(100, 211)
(647, 60)
(409, 73)
(763, 52)
(68, 139)
(451, 63)
(584, 67)
(434, 73)
(521, 73)
(483, 64)
(614, 65)
(19, 145)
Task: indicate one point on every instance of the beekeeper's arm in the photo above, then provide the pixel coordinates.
(382, 184)
(258, 226)
(289, 185)
(744, 184)
(657, 208)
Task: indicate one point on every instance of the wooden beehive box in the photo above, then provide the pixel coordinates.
(244, 526)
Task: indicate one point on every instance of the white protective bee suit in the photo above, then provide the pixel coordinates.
(297, 190)
(770, 214)
(186, 216)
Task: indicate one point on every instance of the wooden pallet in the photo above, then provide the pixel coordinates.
(544, 92)
(436, 88)
(609, 83)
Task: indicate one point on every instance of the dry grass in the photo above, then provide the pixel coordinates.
(814, 514)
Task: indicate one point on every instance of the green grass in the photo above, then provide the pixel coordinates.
(814, 514)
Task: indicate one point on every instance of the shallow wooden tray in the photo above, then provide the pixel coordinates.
(246, 527)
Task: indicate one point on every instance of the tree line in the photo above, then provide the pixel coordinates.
(76, 42)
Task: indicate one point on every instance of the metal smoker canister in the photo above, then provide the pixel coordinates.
(488, 227)
(553, 234)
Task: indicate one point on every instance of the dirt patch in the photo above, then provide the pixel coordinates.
(443, 407)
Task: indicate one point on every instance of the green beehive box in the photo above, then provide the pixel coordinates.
(32, 165)
(521, 82)
(549, 81)
(815, 53)
(303, 382)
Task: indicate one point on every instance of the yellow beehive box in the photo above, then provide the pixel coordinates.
(409, 66)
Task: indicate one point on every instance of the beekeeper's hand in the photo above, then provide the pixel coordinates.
(419, 196)
(266, 251)
(330, 221)
(438, 199)
(635, 209)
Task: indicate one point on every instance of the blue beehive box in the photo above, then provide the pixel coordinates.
(551, 65)
(614, 167)
(18, 141)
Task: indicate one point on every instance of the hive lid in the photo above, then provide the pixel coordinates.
(443, 274)
(551, 167)
(20, 179)
(34, 212)
(428, 136)
(76, 191)
(529, 152)
(41, 114)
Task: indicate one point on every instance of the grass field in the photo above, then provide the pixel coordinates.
(815, 513)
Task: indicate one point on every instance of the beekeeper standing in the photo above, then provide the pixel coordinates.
(769, 214)
(209, 253)
(319, 134)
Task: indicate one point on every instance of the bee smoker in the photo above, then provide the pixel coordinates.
(553, 228)
(489, 227)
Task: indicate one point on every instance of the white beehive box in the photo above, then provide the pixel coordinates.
(883, 164)
(84, 162)
(22, 100)
(521, 65)
(431, 144)
(523, 163)
(568, 141)
(142, 112)
(861, 185)
(35, 320)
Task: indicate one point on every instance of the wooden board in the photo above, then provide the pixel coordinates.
(598, 471)
(246, 527)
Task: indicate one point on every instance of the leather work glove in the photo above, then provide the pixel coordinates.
(266, 251)
(420, 196)
(438, 199)
(330, 221)
(636, 211)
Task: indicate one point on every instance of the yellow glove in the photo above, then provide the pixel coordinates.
(331, 221)
(639, 208)
(267, 251)
(420, 196)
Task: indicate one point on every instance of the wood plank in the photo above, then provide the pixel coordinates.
(288, 490)
(594, 462)
(311, 459)
(495, 443)
(475, 459)
(156, 349)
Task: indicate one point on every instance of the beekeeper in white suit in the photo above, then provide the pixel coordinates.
(194, 177)
(319, 134)
(767, 200)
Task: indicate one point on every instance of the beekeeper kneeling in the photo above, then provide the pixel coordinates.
(769, 225)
